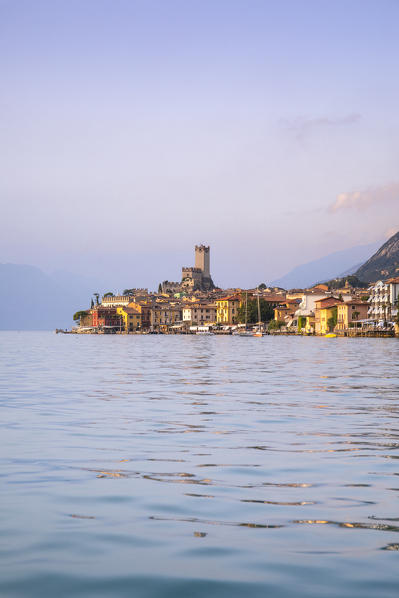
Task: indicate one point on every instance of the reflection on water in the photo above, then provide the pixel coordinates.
(185, 466)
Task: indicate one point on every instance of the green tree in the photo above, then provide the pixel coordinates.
(332, 321)
(160, 288)
(276, 324)
(353, 281)
(128, 292)
(96, 295)
(266, 312)
(262, 286)
(108, 294)
(79, 314)
(91, 304)
(301, 323)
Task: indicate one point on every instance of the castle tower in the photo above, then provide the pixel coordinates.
(202, 255)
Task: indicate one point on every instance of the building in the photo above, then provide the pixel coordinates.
(122, 300)
(106, 318)
(202, 314)
(350, 314)
(325, 309)
(170, 287)
(304, 317)
(130, 317)
(285, 311)
(164, 315)
(198, 277)
(383, 300)
(227, 310)
(144, 309)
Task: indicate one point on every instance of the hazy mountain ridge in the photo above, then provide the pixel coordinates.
(333, 265)
(383, 264)
(33, 300)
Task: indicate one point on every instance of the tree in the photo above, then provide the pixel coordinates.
(79, 314)
(332, 321)
(266, 312)
(160, 288)
(301, 323)
(352, 281)
(276, 324)
(128, 292)
(108, 294)
(91, 304)
(96, 295)
(262, 286)
(355, 315)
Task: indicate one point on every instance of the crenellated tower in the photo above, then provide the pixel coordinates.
(199, 277)
(202, 255)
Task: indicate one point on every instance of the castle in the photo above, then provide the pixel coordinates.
(197, 278)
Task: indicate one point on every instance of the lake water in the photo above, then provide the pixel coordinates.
(173, 466)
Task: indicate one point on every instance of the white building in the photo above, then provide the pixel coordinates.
(201, 313)
(383, 300)
(308, 303)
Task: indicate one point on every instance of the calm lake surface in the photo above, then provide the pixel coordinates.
(172, 466)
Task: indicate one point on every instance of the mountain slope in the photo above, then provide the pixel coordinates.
(327, 267)
(32, 300)
(384, 263)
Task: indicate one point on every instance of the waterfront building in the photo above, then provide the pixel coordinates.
(304, 316)
(285, 311)
(200, 313)
(144, 309)
(383, 300)
(227, 309)
(105, 317)
(130, 318)
(164, 315)
(324, 311)
(350, 314)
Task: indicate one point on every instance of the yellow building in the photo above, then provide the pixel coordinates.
(324, 310)
(227, 310)
(130, 318)
(164, 315)
(350, 313)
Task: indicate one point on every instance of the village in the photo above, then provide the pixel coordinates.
(196, 306)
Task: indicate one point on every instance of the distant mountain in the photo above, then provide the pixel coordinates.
(383, 264)
(339, 263)
(33, 300)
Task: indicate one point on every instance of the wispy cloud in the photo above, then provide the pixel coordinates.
(303, 127)
(361, 200)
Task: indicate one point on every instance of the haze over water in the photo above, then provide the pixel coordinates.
(157, 466)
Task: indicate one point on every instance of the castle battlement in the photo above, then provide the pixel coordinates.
(191, 269)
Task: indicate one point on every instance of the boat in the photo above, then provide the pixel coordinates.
(204, 333)
(330, 335)
(245, 332)
(258, 330)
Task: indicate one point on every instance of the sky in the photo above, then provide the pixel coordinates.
(132, 130)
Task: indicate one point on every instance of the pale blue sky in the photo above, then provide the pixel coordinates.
(132, 130)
